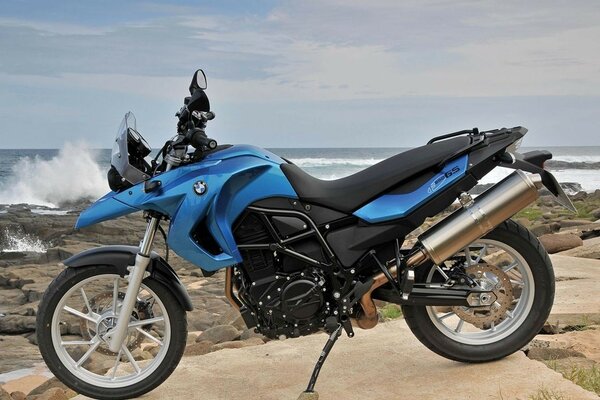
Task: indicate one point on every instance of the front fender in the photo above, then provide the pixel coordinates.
(123, 256)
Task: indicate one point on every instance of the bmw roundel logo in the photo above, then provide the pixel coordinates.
(200, 188)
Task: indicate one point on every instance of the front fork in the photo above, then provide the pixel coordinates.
(135, 277)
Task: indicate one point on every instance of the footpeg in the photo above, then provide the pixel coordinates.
(407, 282)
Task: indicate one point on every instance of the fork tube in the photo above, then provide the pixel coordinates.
(135, 277)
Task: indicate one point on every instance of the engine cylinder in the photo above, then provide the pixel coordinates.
(471, 222)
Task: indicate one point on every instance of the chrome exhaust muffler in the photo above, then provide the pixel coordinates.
(474, 220)
(455, 232)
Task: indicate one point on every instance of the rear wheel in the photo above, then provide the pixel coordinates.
(81, 305)
(510, 262)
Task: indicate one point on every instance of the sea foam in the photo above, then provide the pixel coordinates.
(72, 175)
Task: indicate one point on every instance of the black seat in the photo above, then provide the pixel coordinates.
(349, 193)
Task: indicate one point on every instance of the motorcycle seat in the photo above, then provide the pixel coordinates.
(350, 193)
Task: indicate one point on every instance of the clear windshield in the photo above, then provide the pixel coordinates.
(129, 151)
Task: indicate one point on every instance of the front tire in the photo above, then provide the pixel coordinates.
(470, 335)
(81, 305)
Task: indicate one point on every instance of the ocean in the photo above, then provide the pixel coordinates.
(52, 177)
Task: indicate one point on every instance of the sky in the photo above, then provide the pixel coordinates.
(311, 73)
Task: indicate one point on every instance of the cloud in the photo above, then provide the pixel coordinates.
(327, 51)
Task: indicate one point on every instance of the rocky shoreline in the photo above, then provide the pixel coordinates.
(214, 325)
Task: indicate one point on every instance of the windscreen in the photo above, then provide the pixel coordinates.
(129, 151)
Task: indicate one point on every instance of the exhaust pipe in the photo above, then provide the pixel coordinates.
(455, 232)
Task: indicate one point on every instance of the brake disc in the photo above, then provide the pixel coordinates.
(489, 278)
(101, 304)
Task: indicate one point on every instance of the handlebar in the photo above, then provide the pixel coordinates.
(199, 140)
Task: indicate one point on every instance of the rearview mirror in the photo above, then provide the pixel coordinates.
(198, 81)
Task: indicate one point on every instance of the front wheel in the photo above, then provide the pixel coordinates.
(512, 263)
(77, 310)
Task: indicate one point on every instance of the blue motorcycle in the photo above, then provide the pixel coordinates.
(301, 255)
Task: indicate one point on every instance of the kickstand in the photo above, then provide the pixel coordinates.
(309, 393)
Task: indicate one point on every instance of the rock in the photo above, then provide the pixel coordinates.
(191, 338)
(18, 395)
(579, 196)
(13, 324)
(544, 229)
(238, 344)
(569, 223)
(596, 213)
(585, 251)
(254, 341)
(232, 317)
(249, 333)
(595, 195)
(551, 353)
(219, 334)
(51, 394)
(198, 349)
(4, 395)
(200, 320)
(560, 242)
(49, 384)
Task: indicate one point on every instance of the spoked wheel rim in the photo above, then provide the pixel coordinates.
(498, 264)
(149, 328)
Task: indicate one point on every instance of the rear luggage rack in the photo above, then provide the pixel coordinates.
(471, 132)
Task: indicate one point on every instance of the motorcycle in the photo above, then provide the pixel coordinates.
(301, 255)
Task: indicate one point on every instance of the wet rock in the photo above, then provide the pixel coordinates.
(560, 242)
(14, 324)
(219, 334)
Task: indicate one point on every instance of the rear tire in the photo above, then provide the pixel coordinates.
(432, 334)
(67, 373)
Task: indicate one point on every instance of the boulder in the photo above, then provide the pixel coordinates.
(199, 349)
(569, 223)
(219, 334)
(585, 251)
(546, 228)
(200, 320)
(232, 317)
(249, 333)
(560, 242)
(596, 213)
(579, 196)
(14, 324)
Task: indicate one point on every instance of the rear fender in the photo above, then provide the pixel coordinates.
(533, 162)
(123, 256)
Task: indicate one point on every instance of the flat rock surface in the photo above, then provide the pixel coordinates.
(577, 286)
(384, 363)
